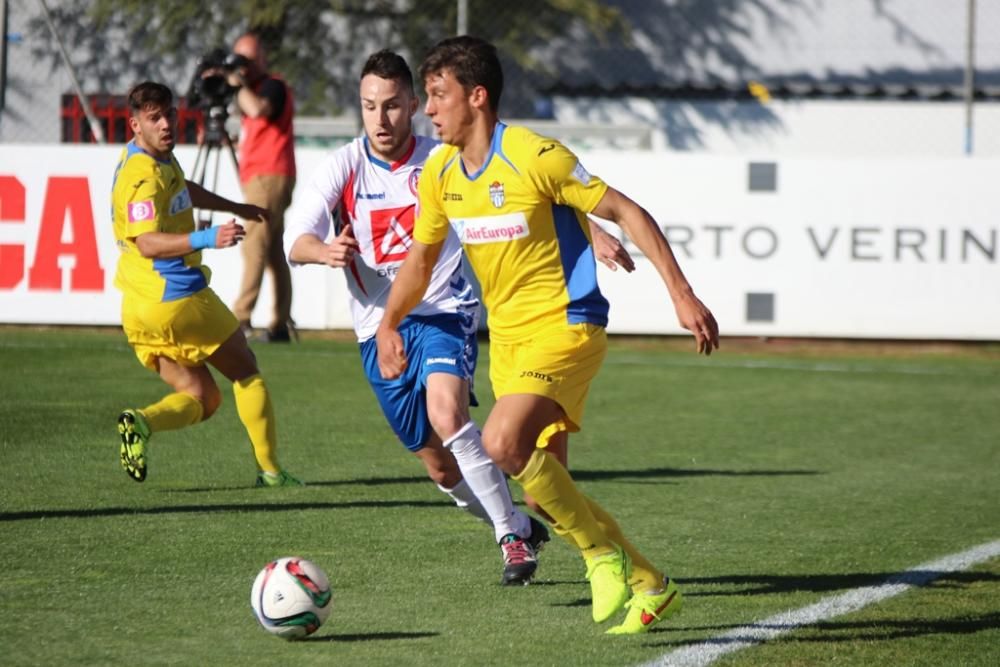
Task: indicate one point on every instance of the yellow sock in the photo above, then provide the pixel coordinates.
(172, 412)
(548, 482)
(645, 577)
(563, 533)
(253, 404)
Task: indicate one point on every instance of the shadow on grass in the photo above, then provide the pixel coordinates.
(844, 631)
(899, 629)
(579, 602)
(194, 509)
(665, 473)
(370, 637)
(820, 583)
(372, 481)
(579, 475)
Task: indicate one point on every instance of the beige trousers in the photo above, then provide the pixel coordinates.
(263, 249)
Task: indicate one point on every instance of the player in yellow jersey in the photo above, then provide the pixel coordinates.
(519, 202)
(173, 320)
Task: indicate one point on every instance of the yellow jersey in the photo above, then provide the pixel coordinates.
(521, 220)
(151, 195)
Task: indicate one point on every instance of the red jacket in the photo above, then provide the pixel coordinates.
(267, 146)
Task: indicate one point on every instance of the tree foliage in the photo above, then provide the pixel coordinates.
(317, 46)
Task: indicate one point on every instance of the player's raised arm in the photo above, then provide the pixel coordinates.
(407, 290)
(208, 200)
(164, 245)
(640, 227)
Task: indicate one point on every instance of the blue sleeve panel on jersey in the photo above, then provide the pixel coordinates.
(586, 303)
(181, 280)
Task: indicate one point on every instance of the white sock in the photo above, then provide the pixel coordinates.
(466, 500)
(487, 482)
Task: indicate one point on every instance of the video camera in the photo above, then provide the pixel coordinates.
(210, 91)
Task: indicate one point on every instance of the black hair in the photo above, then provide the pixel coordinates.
(149, 94)
(471, 60)
(387, 64)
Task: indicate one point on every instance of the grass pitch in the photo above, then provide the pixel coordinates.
(764, 479)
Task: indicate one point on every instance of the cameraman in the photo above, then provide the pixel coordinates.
(267, 176)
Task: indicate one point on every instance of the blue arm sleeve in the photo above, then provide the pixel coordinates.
(204, 238)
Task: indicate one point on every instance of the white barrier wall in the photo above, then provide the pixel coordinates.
(831, 248)
(55, 211)
(873, 248)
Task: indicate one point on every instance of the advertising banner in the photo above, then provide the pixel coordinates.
(792, 247)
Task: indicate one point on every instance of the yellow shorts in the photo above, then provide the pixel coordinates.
(187, 330)
(559, 365)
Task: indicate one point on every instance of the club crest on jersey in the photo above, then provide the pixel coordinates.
(414, 181)
(141, 211)
(496, 194)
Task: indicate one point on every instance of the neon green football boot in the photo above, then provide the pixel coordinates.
(647, 609)
(267, 480)
(608, 575)
(135, 433)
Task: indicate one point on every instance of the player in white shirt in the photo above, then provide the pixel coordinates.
(370, 188)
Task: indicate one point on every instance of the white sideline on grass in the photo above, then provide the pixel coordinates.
(710, 650)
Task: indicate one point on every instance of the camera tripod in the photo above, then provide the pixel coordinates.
(210, 149)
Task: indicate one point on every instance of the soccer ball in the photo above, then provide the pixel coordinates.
(291, 597)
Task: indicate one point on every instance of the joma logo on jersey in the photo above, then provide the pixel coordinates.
(492, 228)
(544, 377)
(496, 194)
(392, 233)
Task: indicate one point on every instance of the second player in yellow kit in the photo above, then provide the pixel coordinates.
(171, 317)
(167, 308)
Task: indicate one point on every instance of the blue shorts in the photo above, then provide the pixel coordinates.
(433, 344)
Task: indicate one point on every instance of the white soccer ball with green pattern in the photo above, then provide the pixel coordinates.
(291, 597)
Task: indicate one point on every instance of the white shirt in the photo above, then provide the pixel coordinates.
(380, 201)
